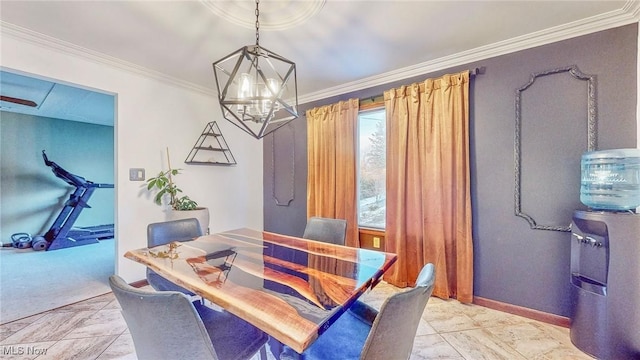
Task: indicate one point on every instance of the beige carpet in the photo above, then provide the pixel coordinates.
(35, 281)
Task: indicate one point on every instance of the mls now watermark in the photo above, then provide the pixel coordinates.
(21, 350)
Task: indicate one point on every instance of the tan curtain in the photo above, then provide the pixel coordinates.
(428, 191)
(331, 156)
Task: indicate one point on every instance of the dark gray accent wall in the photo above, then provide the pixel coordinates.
(282, 146)
(512, 262)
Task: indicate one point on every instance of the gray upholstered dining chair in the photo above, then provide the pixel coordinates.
(162, 233)
(326, 230)
(365, 334)
(166, 325)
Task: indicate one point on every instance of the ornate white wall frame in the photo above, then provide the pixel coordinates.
(592, 134)
(283, 192)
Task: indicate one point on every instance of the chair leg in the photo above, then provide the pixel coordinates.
(275, 347)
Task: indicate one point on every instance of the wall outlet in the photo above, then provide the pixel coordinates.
(376, 242)
(136, 174)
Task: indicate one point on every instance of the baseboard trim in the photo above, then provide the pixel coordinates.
(139, 283)
(548, 318)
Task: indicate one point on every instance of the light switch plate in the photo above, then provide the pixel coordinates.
(136, 174)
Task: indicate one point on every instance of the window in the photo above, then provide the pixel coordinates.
(372, 168)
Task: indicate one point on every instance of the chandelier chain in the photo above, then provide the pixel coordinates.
(257, 23)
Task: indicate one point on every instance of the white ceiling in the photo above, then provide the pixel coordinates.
(55, 100)
(343, 46)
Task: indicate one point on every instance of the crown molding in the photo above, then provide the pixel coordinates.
(39, 39)
(629, 13)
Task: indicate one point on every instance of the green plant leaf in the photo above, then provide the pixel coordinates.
(164, 185)
(184, 203)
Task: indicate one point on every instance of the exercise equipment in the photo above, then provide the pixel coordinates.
(62, 234)
(21, 240)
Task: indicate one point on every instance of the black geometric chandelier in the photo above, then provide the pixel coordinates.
(257, 88)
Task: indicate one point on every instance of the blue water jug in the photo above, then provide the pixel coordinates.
(610, 179)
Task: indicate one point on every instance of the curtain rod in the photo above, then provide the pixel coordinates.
(368, 101)
(477, 71)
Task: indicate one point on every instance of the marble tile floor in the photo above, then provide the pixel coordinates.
(95, 329)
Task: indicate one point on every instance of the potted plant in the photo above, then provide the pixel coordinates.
(182, 207)
(164, 185)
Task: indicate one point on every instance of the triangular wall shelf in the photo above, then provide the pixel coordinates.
(211, 148)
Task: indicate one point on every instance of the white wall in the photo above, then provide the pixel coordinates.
(152, 114)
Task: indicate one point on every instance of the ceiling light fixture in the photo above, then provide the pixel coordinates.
(257, 88)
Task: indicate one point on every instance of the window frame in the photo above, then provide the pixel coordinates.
(369, 105)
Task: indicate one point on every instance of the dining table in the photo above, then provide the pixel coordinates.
(291, 288)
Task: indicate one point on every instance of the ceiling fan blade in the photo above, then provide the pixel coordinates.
(18, 101)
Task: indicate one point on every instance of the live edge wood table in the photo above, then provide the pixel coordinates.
(291, 288)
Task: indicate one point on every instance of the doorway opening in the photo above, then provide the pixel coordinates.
(75, 126)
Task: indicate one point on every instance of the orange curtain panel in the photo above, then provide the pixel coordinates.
(331, 156)
(428, 191)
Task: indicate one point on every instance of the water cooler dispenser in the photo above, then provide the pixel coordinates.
(605, 256)
(605, 284)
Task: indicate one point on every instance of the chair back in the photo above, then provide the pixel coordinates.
(327, 230)
(395, 327)
(163, 325)
(164, 232)
(175, 230)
